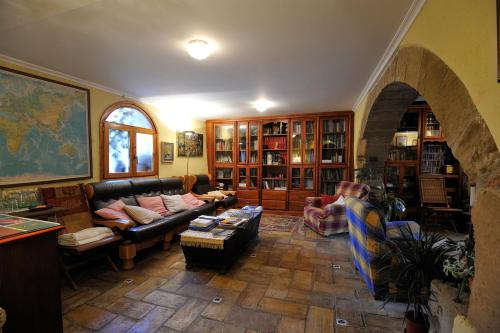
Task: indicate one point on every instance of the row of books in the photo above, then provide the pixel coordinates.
(204, 223)
(224, 157)
(331, 156)
(274, 142)
(224, 173)
(221, 144)
(333, 141)
(275, 185)
(333, 126)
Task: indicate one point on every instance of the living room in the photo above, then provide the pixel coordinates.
(187, 166)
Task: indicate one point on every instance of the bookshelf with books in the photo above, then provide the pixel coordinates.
(335, 161)
(248, 163)
(303, 162)
(419, 148)
(275, 163)
(224, 143)
(224, 178)
(277, 160)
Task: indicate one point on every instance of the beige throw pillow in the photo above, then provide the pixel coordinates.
(174, 203)
(142, 215)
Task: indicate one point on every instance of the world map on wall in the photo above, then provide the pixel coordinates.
(43, 130)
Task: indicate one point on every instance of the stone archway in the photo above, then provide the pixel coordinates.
(415, 70)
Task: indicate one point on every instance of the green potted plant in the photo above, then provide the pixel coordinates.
(393, 208)
(411, 264)
(460, 266)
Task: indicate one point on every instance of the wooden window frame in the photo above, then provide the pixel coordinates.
(132, 130)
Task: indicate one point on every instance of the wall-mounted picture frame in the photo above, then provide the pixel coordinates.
(167, 152)
(189, 144)
(401, 141)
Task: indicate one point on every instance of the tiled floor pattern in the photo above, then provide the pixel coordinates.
(285, 283)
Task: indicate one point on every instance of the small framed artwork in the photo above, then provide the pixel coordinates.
(401, 141)
(189, 144)
(167, 152)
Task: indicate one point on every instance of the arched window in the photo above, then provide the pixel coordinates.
(129, 142)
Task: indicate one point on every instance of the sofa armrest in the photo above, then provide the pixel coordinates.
(229, 192)
(313, 201)
(120, 224)
(204, 197)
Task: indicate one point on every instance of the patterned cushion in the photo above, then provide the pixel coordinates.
(114, 211)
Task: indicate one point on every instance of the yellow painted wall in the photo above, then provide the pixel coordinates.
(463, 34)
(165, 122)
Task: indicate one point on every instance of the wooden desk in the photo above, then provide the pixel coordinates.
(30, 290)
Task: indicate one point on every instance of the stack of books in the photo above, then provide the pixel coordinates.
(204, 223)
(232, 222)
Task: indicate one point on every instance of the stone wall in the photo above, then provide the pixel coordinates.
(415, 70)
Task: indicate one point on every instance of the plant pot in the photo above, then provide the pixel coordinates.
(415, 325)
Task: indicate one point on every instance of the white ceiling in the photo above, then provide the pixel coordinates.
(306, 55)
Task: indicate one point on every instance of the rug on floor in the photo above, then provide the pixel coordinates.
(280, 223)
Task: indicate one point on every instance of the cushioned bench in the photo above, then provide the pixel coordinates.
(137, 237)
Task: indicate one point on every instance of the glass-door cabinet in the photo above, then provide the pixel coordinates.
(302, 162)
(248, 143)
(224, 143)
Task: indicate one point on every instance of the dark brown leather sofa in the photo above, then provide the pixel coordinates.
(138, 237)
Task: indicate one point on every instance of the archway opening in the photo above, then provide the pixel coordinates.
(415, 71)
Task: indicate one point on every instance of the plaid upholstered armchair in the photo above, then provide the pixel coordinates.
(368, 234)
(331, 220)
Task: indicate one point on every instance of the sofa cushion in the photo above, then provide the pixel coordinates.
(114, 211)
(146, 231)
(174, 203)
(192, 201)
(142, 215)
(328, 199)
(153, 203)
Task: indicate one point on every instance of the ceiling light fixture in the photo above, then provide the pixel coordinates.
(199, 49)
(262, 105)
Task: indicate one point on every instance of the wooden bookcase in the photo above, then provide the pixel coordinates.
(278, 161)
(422, 149)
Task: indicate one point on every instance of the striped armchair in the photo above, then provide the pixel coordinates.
(368, 233)
(332, 220)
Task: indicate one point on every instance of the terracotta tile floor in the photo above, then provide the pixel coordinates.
(284, 283)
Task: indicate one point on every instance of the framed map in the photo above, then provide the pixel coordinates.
(44, 130)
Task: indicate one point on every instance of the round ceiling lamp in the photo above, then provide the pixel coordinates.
(262, 105)
(199, 49)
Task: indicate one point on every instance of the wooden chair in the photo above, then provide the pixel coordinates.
(434, 200)
(78, 217)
